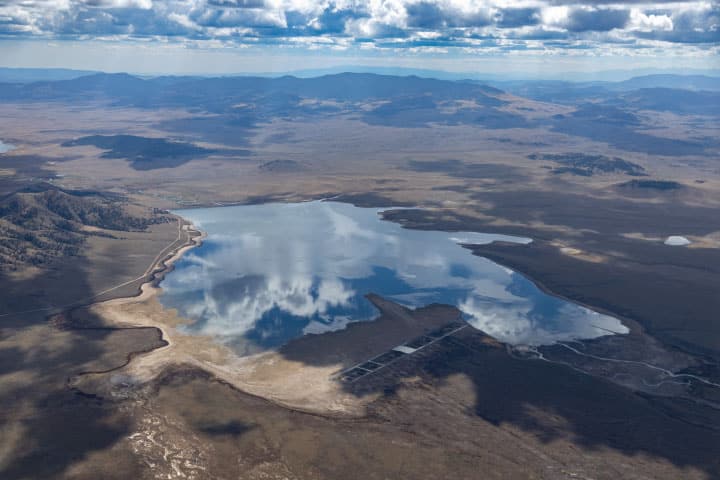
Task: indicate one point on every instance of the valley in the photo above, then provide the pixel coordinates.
(93, 226)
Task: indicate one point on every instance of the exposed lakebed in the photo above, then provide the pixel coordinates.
(268, 273)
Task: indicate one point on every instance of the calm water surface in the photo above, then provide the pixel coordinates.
(270, 273)
(5, 147)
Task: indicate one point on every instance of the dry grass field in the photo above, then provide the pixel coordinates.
(98, 381)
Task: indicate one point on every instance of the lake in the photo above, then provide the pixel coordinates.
(269, 273)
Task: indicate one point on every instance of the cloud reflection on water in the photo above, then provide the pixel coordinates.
(268, 273)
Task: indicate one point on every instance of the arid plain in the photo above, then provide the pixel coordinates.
(87, 352)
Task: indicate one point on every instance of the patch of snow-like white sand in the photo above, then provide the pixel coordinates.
(5, 147)
(676, 241)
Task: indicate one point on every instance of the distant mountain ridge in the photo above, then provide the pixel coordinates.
(27, 75)
(162, 90)
(216, 93)
(684, 82)
(681, 94)
(237, 106)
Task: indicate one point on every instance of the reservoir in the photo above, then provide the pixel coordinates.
(269, 273)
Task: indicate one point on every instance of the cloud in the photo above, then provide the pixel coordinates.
(518, 17)
(425, 15)
(650, 21)
(597, 20)
(688, 26)
(411, 24)
(616, 2)
(141, 4)
(237, 3)
(334, 20)
(431, 15)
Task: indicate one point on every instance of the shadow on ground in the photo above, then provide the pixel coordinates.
(550, 401)
(48, 427)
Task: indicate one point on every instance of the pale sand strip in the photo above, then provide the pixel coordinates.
(292, 384)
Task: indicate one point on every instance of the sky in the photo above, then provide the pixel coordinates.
(253, 36)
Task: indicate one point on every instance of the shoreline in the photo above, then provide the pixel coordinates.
(163, 265)
(266, 375)
(150, 287)
(160, 268)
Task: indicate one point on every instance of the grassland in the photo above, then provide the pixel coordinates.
(184, 408)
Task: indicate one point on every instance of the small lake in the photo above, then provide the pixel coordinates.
(269, 273)
(5, 147)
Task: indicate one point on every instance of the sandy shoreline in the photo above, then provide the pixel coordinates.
(289, 383)
(297, 382)
(157, 271)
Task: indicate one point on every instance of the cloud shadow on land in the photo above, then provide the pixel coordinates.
(550, 401)
(149, 153)
(49, 426)
(62, 426)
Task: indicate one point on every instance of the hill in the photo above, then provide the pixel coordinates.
(224, 91)
(42, 222)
